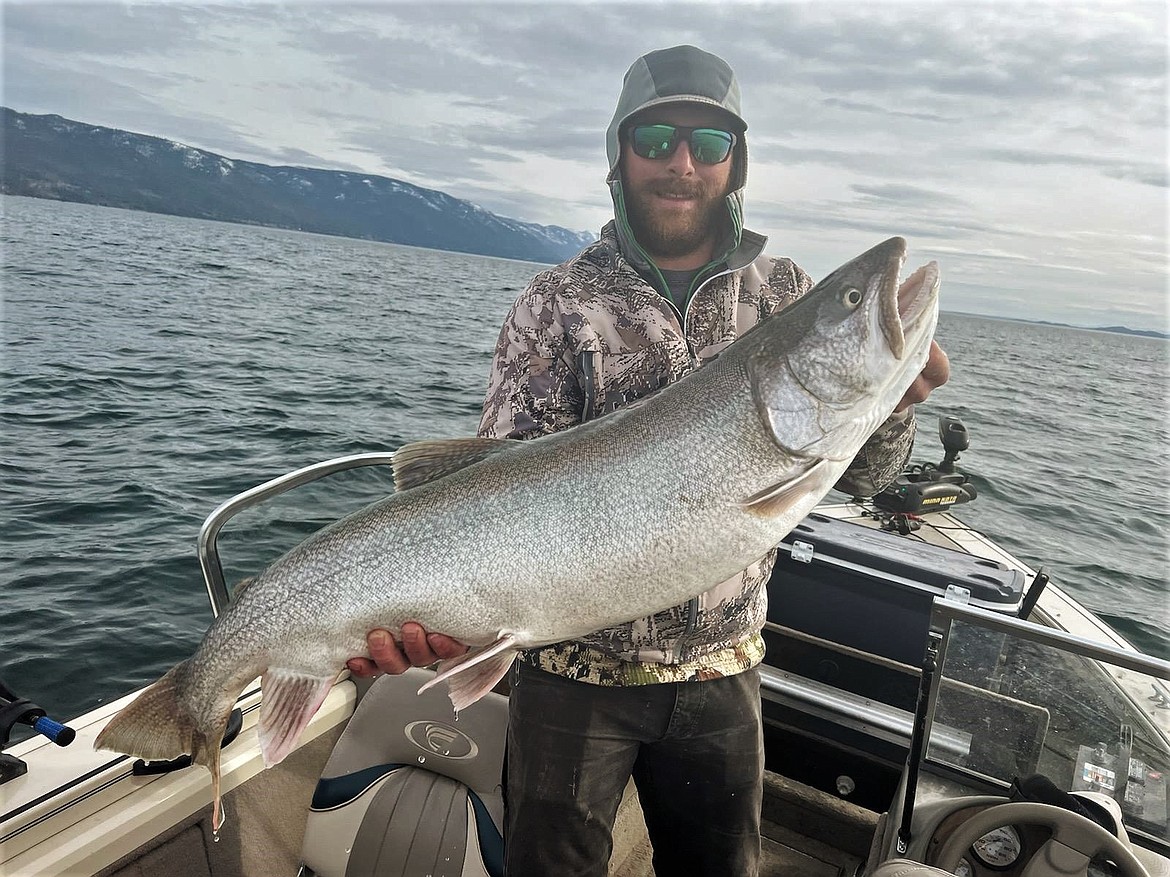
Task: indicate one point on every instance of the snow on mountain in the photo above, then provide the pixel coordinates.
(47, 156)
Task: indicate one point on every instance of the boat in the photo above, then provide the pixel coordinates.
(931, 706)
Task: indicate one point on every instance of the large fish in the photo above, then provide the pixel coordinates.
(507, 545)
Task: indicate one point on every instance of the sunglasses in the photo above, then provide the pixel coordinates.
(707, 145)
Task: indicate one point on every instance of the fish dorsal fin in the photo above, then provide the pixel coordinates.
(420, 462)
(239, 588)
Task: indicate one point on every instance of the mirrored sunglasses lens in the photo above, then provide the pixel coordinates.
(654, 141)
(710, 145)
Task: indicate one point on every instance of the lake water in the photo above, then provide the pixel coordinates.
(153, 366)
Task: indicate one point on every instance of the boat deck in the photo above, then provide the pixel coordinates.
(804, 831)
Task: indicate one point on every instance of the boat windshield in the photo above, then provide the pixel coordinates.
(1011, 699)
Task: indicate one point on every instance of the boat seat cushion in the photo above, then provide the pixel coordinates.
(411, 788)
(419, 822)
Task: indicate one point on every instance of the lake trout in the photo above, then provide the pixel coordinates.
(508, 544)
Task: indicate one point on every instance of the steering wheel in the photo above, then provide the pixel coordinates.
(1074, 841)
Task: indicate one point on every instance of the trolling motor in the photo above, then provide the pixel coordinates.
(926, 487)
(15, 709)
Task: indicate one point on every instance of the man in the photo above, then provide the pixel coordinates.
(672, 700)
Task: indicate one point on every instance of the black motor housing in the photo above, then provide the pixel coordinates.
(925, 487)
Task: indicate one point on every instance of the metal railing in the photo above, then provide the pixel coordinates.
(209, 561)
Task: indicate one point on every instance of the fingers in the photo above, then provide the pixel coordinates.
(414, 643)
(938, 367)
(934, 374)
(385, 656)
(362, 667)
(424, 649)
(445, 647)
(418, 649)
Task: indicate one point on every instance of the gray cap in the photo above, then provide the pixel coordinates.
(681, 74)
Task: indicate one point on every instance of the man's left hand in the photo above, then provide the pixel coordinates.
(935, 374)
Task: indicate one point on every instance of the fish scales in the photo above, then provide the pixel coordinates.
(520, 570)
(507, 545)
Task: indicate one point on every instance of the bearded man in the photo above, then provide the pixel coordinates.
(673, 699)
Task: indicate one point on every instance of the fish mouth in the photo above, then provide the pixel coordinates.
(903, 310)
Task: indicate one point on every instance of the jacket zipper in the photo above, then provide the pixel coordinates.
(682, 315)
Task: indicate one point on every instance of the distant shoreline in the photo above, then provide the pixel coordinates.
(1116, 330)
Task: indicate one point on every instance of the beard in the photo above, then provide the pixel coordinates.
(668, 234)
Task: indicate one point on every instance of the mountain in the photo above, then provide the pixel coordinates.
(47, 156)
(1119, 330)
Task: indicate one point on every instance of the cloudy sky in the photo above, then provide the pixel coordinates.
(1021, 144)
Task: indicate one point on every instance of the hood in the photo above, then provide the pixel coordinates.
(681, 74)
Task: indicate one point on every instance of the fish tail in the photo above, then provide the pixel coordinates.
(158, 725)
(155, 725)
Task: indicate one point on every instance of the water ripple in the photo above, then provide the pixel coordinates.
(153, 366)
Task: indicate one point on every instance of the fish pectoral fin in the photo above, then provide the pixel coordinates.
(777, 498)
(420, 462)
(469, 677)
(290, 699)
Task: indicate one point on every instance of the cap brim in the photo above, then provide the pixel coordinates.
(684, 100)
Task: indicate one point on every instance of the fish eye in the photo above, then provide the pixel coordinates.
(853, 296)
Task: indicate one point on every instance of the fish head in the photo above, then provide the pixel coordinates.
(828, 370)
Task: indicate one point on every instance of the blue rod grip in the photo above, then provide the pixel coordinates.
(60, 734)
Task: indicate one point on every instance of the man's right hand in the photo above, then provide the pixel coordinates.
(418, 649)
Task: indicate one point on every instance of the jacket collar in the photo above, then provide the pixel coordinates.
(738, 250)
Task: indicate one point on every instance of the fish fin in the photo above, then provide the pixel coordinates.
(778, 498)
(156, 724)
(289, 701)
(469, 677)
(420, 462)
(216, 808)
(241, 585)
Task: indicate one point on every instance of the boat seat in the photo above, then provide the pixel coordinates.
(907, 868)
(410, 787)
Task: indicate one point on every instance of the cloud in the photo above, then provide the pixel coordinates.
(1021, 141)
(905, 195)
(875, 109)
(100, 95)
(1146, 173)
(99, 30)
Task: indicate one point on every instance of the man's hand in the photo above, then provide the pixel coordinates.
(935, 374)
(418, 649)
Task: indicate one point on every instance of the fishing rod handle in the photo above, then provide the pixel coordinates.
(60, 734)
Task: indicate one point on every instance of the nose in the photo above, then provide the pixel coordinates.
(680, 162)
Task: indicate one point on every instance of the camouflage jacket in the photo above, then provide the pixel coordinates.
(592, 335)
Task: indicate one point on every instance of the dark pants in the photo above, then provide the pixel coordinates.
(694, 749)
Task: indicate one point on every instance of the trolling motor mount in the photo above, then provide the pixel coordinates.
(926, 487)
